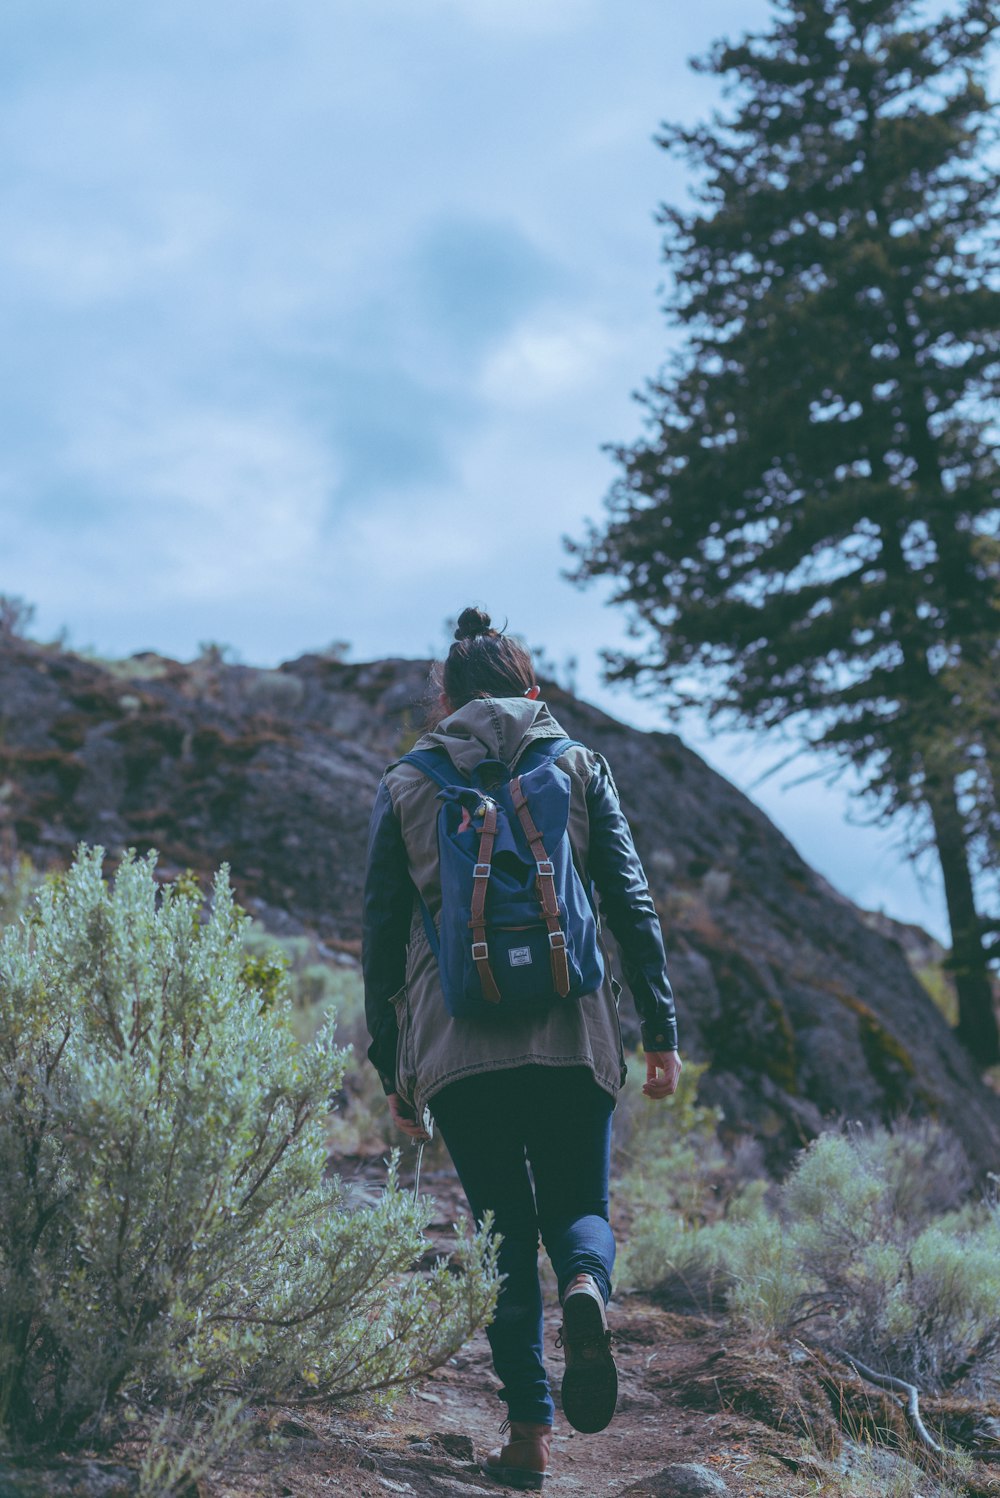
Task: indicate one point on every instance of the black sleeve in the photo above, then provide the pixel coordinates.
(388, 906)
(628, 908)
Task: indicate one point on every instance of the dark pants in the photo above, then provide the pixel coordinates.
(557, 1121)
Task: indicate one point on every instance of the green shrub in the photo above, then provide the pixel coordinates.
(907, 1281)
(18, 883)
(675, 1180)
(668, 1151)
(16, 616)
(167, 1238)
(755, 1264)
(319, 987)
(865, 1245)
(872, 1470)
(665, 1254)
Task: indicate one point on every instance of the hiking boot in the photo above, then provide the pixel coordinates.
(590, 1382)
(523, 1461)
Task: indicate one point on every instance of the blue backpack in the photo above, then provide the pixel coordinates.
(518, 928)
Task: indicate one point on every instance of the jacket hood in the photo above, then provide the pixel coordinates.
(491, 728)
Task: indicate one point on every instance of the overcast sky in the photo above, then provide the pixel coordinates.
(315, 315)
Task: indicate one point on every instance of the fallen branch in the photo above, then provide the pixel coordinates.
(897, 1386)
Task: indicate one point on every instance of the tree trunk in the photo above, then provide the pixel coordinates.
(977, 1024)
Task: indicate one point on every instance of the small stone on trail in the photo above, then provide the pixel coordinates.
(430, 1398)
(637, 1399)
(679, 1480)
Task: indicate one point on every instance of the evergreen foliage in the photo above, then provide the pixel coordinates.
(167, 1239)
(808, 535)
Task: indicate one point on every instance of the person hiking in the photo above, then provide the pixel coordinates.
(521, 1087)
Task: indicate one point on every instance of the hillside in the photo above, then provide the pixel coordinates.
(805, 1012)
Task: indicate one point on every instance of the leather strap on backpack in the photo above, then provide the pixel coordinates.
(546, 886)
(480, 879)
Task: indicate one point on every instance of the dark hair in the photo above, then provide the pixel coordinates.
(484, 662)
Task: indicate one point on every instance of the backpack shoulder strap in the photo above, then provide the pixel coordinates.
(551, 748)
(546, 889)
(432, 762)
(428, 762)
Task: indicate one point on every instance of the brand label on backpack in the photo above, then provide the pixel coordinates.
(520, 956)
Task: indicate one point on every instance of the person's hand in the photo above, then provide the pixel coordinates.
(663, 1072)
(404, 1118)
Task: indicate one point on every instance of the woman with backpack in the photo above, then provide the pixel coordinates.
(490, 1003)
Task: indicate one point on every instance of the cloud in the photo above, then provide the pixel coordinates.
(397, 382)
(476, 278)
(548, 359)
(521, 17)
(392, 432)
(76, 258)
(217, 504)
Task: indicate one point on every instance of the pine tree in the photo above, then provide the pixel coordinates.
(807, 535)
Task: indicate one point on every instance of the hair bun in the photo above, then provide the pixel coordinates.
(472, 622)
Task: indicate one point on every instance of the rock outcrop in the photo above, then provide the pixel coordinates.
(806, 1013)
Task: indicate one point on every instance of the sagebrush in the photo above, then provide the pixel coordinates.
(322, 986)
(872, 1245)
(167, 1237)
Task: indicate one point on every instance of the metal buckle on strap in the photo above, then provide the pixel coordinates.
(546, 868)
(480, 951)
(481, 871)
(556, 940)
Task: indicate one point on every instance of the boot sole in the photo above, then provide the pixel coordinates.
(515, 1477)
(590, 1382)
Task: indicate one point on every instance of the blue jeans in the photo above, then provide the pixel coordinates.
(556, 1123)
